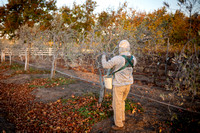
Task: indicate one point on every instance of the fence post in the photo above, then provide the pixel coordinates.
(50, 51)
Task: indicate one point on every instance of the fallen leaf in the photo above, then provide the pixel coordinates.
(133, 111)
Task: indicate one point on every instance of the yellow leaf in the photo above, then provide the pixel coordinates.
(133, 111)
(44, 113)
(57, 128)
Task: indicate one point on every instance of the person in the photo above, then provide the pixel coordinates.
(122, 81)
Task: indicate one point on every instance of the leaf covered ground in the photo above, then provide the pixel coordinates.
(77, 113)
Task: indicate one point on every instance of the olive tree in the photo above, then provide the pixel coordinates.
(27, 35)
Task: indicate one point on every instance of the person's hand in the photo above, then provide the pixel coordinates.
(104, 53)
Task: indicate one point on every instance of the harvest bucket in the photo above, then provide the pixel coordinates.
(108, 81)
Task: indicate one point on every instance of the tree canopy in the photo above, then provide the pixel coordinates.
(178, 26)
(81, 17)
(20, 12)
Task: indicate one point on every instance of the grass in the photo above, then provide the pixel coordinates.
(16, 67)
(46, 83)
(78, 113)
(86, 107)
(19, 69)
(131, 106)
(61, 81)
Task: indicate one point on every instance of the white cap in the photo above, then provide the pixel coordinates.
(124, 44)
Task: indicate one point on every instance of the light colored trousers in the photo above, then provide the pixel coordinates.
(119, 96)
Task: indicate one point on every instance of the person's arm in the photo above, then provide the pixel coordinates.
(108, 64)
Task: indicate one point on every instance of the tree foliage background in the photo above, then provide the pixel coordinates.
(72, 31)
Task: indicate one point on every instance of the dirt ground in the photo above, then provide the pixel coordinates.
(152, 120)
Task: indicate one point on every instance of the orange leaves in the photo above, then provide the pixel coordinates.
(76, 114)
(58, 116)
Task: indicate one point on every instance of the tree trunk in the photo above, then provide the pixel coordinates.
(101, 93)
(27, 57)
(2, 56)
(53, 67)
(10, 58)
(190, 28)
(26, 60)
(167, 57)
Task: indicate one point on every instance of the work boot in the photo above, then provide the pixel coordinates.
(114, 127)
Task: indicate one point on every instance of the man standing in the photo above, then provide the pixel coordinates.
(122, 80)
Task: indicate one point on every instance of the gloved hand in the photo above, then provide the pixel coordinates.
(104, 53)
